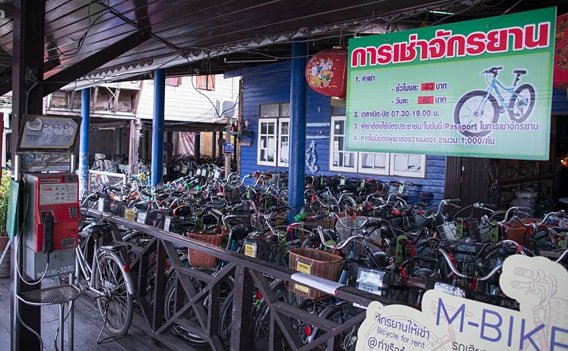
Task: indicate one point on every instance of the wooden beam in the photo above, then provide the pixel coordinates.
(94, 61)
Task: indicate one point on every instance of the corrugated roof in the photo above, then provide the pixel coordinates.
(190, 35)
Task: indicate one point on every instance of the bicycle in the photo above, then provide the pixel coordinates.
(479, 107)
(102, 271)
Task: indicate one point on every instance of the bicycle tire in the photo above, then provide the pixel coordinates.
(471, 98)
(261, 317)
(169, 301)
(340, 315)
(190, 316)
(519, 100)
(117, 305)
(226, 320)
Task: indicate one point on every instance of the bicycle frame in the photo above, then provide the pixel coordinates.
(495, 87)
(88, 271)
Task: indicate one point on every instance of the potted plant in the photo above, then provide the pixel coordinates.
(4, 239)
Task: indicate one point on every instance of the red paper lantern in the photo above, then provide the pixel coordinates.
(326, 72)
(561, 53)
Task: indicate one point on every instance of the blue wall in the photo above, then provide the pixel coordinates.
(271, 84)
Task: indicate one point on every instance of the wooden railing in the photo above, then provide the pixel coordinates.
(198, 293)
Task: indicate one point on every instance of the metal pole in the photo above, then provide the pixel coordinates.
(71, 322)
(228, 155)
(62, 326)
(158, 126)
(84, 141)
(297, 164)
(134, 146)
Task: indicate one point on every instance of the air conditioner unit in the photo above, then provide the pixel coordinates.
(225, 108)
(228, 109)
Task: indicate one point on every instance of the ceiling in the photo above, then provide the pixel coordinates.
(211, 36)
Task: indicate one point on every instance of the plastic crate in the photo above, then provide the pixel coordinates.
(314, 262)
(200, 259)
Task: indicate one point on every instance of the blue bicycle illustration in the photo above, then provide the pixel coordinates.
(485, 106)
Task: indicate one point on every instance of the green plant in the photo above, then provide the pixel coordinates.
(4, 196)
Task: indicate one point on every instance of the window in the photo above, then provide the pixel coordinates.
(274, 135)
(407, 165)
(283, 142)
(173, 81)
(374, 162)
(267, 141)
(205, 82)
(341, 160)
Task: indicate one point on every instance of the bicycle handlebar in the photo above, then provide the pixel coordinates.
(493, 70)
(461, 275)
(337, 246)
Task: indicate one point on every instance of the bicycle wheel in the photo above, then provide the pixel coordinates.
(340, 315)
(116, 306)
(261, 318)
(522, 103)
(226, 320)
(189, 316)
(474, 108)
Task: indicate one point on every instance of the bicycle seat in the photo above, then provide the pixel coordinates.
(101, 227)
(240, 231)
(520, 71)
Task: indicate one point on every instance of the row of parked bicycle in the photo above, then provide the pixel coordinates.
(361, 233)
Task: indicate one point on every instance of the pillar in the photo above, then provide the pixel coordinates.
(158, 126)
(84, 141)
(297, 164)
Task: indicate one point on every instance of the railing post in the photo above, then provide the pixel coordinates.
(159, 286)
(242, 310)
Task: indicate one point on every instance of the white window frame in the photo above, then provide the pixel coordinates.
(279, 162)
(378, 171)
(418, 173)
(260, 135)
(391, 158)
(332, 136)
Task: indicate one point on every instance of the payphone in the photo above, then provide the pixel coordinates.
(51, 223)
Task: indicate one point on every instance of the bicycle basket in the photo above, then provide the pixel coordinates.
(347, 226)
(201, 259)
(314, 262)
(520, 230)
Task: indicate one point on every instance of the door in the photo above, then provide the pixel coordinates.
(467, 179)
